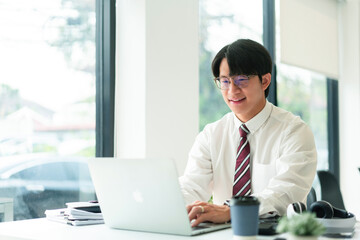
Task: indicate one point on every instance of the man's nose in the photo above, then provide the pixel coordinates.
(233, 87)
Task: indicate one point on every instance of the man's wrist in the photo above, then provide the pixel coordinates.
(227, 202)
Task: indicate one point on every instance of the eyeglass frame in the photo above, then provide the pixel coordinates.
(231, 78)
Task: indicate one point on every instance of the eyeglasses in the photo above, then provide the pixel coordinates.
(241, 81)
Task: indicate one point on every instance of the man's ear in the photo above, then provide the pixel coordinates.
(266, 80)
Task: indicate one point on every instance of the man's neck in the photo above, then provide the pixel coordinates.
(246, 117)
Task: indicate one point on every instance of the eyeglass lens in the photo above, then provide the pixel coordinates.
(240, 81)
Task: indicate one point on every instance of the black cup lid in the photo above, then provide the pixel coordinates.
(244, 200)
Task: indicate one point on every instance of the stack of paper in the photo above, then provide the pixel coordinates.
(77, 214)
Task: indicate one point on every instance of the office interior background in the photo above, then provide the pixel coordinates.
(132, 78)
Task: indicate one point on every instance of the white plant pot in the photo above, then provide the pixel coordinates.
(294, 237)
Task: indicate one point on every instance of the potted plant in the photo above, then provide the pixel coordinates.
(302, 226)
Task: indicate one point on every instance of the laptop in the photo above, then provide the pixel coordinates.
(143, 195)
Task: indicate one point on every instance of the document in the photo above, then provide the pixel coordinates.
(77, 214)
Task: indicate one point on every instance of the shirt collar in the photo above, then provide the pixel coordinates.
(258, 120)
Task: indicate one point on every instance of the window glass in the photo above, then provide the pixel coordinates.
(53, 171)
(222, 22)
(47, 100)
(303, 93)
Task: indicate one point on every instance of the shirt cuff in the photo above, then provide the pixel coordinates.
(227, 202)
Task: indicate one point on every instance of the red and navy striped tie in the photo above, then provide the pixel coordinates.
(242, 178)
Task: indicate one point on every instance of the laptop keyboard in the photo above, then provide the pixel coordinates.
(199, 227)
(205, 225)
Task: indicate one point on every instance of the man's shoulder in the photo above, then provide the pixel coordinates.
(226, 121)
(283, 116)
(287, 122)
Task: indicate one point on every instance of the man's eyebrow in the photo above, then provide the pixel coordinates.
(223, 76)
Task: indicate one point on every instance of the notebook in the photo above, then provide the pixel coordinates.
(143, 195)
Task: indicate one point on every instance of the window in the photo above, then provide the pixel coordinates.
(47, 99)
(304, 93)
(55, 171)
(221, 23)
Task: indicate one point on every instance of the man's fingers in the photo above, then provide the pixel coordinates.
(202, 209)
(195, 204)
(188, 208)
(206, 212)
(195, 212)
(201, 218)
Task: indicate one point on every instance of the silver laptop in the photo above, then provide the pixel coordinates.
(143, 195)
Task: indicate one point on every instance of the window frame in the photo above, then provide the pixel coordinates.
(270, 43)
(332, 90)
(105, 76)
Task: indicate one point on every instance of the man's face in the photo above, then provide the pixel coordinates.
(245, 102)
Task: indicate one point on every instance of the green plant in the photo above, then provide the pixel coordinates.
(304, 224)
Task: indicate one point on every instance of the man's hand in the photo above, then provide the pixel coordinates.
(203, 211)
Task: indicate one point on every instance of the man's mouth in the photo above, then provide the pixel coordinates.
(237, 100)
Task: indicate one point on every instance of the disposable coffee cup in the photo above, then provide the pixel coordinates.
(244, 212)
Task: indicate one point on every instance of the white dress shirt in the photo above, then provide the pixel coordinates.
(282, 154)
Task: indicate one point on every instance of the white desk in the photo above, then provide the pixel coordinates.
(44, 229)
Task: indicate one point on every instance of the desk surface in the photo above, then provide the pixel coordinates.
(45, 229)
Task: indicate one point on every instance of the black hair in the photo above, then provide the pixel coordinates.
(245, 57)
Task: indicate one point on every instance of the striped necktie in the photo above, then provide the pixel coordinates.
(242, 178)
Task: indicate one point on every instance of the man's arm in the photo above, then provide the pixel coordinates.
(295, 171)
(196, 184)
(196, 181)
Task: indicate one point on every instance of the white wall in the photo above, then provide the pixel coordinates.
(157, 89)
(349, 103)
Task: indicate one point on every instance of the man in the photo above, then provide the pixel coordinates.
(257, 149)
